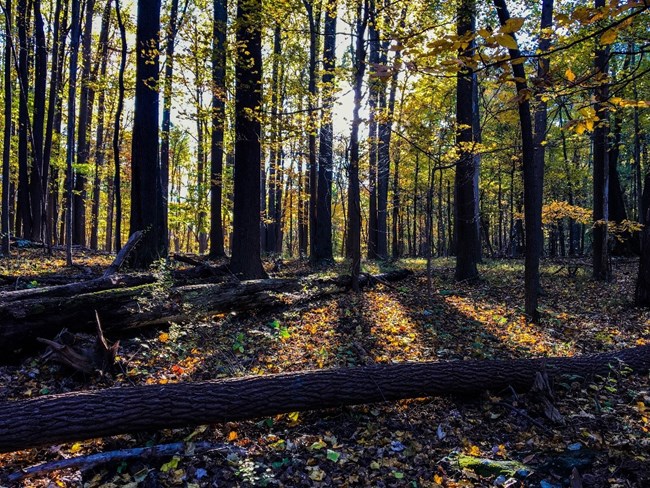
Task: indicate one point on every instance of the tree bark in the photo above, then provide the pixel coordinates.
(147, 206)
(323, 251)
(84, 415)
(601, 269)
(5, 227)
(246, 262)
(533, 177)
(219, 46)
(466, 181)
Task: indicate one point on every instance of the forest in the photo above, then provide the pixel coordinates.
(325, 243)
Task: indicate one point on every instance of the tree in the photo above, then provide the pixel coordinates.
(5, 230)
(116, 130)
(354, 198)
(466, 182)
(245, 261)
(147, 205)
(75, 23)
(323, 251)
(219, 47)
(533, 172)
(600, 242)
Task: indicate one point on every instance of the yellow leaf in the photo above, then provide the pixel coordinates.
(437, 479)
(609, 37)
(76, 447)
(570, 75)
(512, 25)
(484, 33)
(506, 40)
(293, 416)
(164, 337)
(474, 451)
(232, 435)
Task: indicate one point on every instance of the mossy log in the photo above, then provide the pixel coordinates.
(90, 414)
(43, 313)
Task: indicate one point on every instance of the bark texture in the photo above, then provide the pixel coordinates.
(75, 416)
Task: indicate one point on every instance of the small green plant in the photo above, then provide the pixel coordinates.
(239, 343)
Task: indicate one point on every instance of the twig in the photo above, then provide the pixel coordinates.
(93, 460)
(527, 417)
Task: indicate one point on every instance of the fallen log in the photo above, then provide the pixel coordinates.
(119, 260)
(90, 414)
(142, 453)
(45, 313)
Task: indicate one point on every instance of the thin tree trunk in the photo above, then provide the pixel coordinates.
(354, 203)
(117, 185)
(601, 270)
(323, 251)
(533, 178)
(72, 98)
(219, 47)
(5, 227)
(102, 60)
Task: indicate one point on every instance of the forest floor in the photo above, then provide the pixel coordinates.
(603, 427)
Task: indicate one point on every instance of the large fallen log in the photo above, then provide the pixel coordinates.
(43, 313)
(84, 415)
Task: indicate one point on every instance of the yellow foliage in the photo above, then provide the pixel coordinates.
(554, 211)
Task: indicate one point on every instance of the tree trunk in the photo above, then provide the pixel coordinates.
(86, 100)
(533, 177)
(100, 70)
(85, 415)
(23, 220)
(117, 181)
(246, 262)
(466, 182)
(373, 99)
(354, 201)
(601, 270)
(72, 97)
(323, 251)
(219, 46)
(147, 206)
(5, 227)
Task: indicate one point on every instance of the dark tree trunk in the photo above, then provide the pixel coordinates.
(642, 293)
(84, 124)
(601, 270)
(71, 141)
(466, 182)
(219, 47)
(37, 189)
(373, 101)
(53, 123)
(246, 262)
(313, 15)
(5, 227)
(28, 423)
(100, 70)
(23, 220)
(117, 182)
(533, 178)
(273, 224)
(147, 206)
(354, 200)
(323, 251)
(383, 157)
(170, 40)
